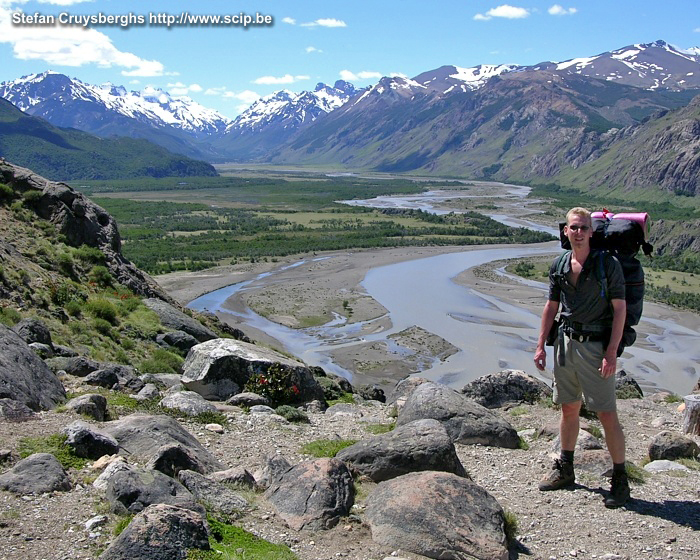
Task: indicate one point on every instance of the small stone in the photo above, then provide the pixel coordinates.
(216, 428)
(96, 521)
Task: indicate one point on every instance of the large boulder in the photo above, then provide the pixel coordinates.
(215, 495)
(37, 474)
(465, 420)
(141, 436)
(220, 368)
(116, 376)
(89, 442)
(172, 458)
(92, 405)
(177, 339)
(671, 446)
(15, 411)
(33, 330)
(160, 532)
(438, 515)
(173, 318)
(133, 489)
(24, 377)
(510, 386)
(313, 494)
(422, 445)
(188, 402)
(403, 389)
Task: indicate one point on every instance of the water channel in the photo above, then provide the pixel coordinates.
(490, 333)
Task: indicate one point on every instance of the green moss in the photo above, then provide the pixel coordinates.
(380, 428)
(326, 447)
(54, 444)
(234, 543)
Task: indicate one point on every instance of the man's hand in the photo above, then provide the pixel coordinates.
(609, 365)
(540, 359)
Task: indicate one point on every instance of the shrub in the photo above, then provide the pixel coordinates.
(102, 326)
(275, 384)
(102, 309)
(292, 414)
(327, 447)
(162, 361)
(9, 317)
(31, 197)
(122, 524)
(65, 263)
(74, 308)
(331, 388)
(7, 193)
(101, 276)
(89, 254)
(510, 525)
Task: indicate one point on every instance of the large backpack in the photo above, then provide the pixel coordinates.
(621, 235)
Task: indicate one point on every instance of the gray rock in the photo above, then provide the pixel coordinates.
(236, 476)
(24, 377)
(371, 393)
(102, 481)
(80, 366)
(626, 387)
(172, 458)
(189, 402)
(160, 532)
(150, 391)
(64, 351)
(115, 376)
(403, 389)
(313, 495)
(438, 515)
(33, 330)
(214, 495)
(261, 409)
(219, 368)
(15, 411)
(175, 319)
(422, 445)
(465, 421)
(92, 405)
(141, 436)
(247, 399)
(162, 380)
(37, 474)
(345, 409)
(273, 468)
(88, 442)
(177, 339)
(662, 465)
(133, 489)
(42, 350)
(671, 445)
(510, 386)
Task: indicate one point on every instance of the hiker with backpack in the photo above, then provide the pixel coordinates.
(590, 287)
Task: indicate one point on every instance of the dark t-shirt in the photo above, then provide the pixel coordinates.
(584, 303)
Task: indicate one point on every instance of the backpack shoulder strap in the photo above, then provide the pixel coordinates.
(560, 264)
(600, 270)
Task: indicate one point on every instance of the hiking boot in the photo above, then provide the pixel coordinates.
(562, 476)
(619, 490)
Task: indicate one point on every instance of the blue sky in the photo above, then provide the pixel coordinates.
(312, 41)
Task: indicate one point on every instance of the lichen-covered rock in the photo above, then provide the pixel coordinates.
(438, 515)
(24, 377)
(671, 446)
(189, 402)
(214, 495)
(465, 420)
(510, 386)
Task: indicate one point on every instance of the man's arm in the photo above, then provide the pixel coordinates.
(609, 365)
(548, 315)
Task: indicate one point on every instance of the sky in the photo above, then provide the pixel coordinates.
(300, 43)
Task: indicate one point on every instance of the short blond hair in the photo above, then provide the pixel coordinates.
(578, 211)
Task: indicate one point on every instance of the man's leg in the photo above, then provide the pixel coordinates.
(615, 440)
(569, 425)
(562, 473)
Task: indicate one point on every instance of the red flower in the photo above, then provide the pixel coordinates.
(295, 390)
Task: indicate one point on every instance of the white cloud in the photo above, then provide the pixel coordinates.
(504, 11)
(179, 88)
(63, 2)
(557, 10)
(696, 30)
(247, 96)
(327, 22)
(290, 21)
(277, 80)
(313, 49)
(134, 82)
(70, 46)
(349, 76)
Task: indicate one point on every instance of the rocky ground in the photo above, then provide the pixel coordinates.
(661, 521)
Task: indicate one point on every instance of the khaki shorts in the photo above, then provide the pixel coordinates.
(580, 375)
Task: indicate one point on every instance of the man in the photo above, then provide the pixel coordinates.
(585, 352)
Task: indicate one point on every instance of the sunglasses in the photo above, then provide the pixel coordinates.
(576, 228)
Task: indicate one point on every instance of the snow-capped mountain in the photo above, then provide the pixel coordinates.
(448, 79)
(653, 66)
(292, 110)
(68, 102)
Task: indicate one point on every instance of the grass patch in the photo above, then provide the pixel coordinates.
(347, 398)
(595, 431)
(54, 444)
(380, 428)
(292, 414)
(234, 543)
(518, 411)
(522, 444)
(326, 447)
(692, 464)
(673, 399)
(122, 524)
(510, 525)
(161, 361)
(636, 474)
